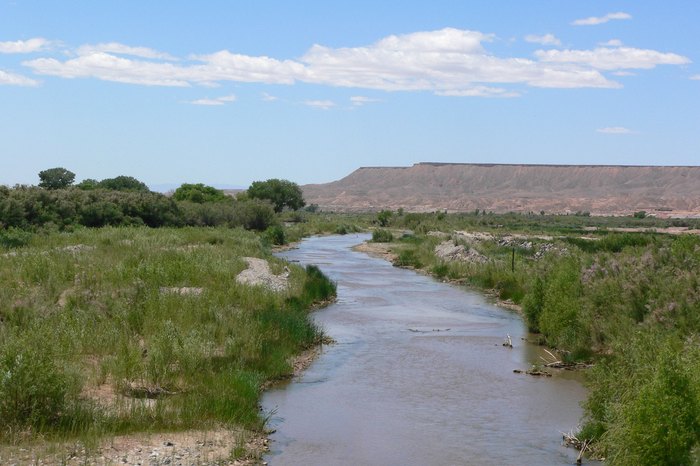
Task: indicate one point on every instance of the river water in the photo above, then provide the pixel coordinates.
(418, 376)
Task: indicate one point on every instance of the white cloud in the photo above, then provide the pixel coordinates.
(481, 91)
(215, 101)
(446, 62)
(360, 100)
(612, 43)
(595, 20)
(109, 67)
(604, 58)
(268, 98)
(623, 73)
(322, 104)
(615, 130)
(36, 44)
(695, 77)
(438, 61)
(121, 49)
(546, 39)
(12, 79)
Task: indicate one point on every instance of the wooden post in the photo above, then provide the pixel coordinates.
(512, 261)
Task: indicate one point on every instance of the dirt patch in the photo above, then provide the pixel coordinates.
(201, 447)
(258, 274)
(379, 250)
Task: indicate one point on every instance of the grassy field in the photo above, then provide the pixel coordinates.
(116, 330)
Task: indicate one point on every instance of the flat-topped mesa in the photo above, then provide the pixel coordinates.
(461, 187)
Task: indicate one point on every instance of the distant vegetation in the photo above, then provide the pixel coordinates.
(281, 193)
(57, 204)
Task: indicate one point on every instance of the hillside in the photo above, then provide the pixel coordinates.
(600, 190)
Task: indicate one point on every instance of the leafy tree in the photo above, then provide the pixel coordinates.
(88, 184)
(282, 193)
(384, 217)
(123, 183)
(199, 193)
(56, 178)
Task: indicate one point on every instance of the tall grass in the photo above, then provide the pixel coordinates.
(126, 329)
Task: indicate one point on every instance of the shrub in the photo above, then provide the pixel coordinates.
(440, 270)
(14, 238)
(254, 214)
(408, 258)
(199, 193)
(533, 302)
(33, 390)
(384, 217)
(382, 236)
(275, 235)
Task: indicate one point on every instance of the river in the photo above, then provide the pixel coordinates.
(418, 376)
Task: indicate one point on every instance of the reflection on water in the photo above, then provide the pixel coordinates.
(418, 376)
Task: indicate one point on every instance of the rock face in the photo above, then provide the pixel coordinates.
(598, 189)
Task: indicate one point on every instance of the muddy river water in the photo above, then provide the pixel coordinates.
(418, 376)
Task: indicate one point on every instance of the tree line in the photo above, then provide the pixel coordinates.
(57, 203)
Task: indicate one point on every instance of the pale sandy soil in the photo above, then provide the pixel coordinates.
(195, 447)
(380, 250)
(258, 273)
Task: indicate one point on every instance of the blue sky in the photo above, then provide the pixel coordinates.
(228, 92)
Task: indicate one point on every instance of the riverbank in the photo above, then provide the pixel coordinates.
(220, 447)
(147, 346)
(383, 251)
(621, 296)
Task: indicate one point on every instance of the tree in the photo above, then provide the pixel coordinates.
(56, 178)
(282, 193)
(88, 184)
(123, 183)
(199, 193)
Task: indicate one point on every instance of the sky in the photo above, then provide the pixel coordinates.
(228, 92)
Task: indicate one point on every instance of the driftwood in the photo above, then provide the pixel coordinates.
(583, 446)
(556, 363)
(133, 390)
(535, 371)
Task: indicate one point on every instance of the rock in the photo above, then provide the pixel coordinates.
(449, 251)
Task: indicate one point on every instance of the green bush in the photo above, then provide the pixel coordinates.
(34, 391)
(533, 302)
(561, 319)
(254, 214)
(275, 235)
(440, 270)
(382, 236)
(14, 238)
(408, 258)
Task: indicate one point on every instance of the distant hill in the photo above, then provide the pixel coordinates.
(598, 189)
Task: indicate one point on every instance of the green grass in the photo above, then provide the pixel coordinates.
(93, 311)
